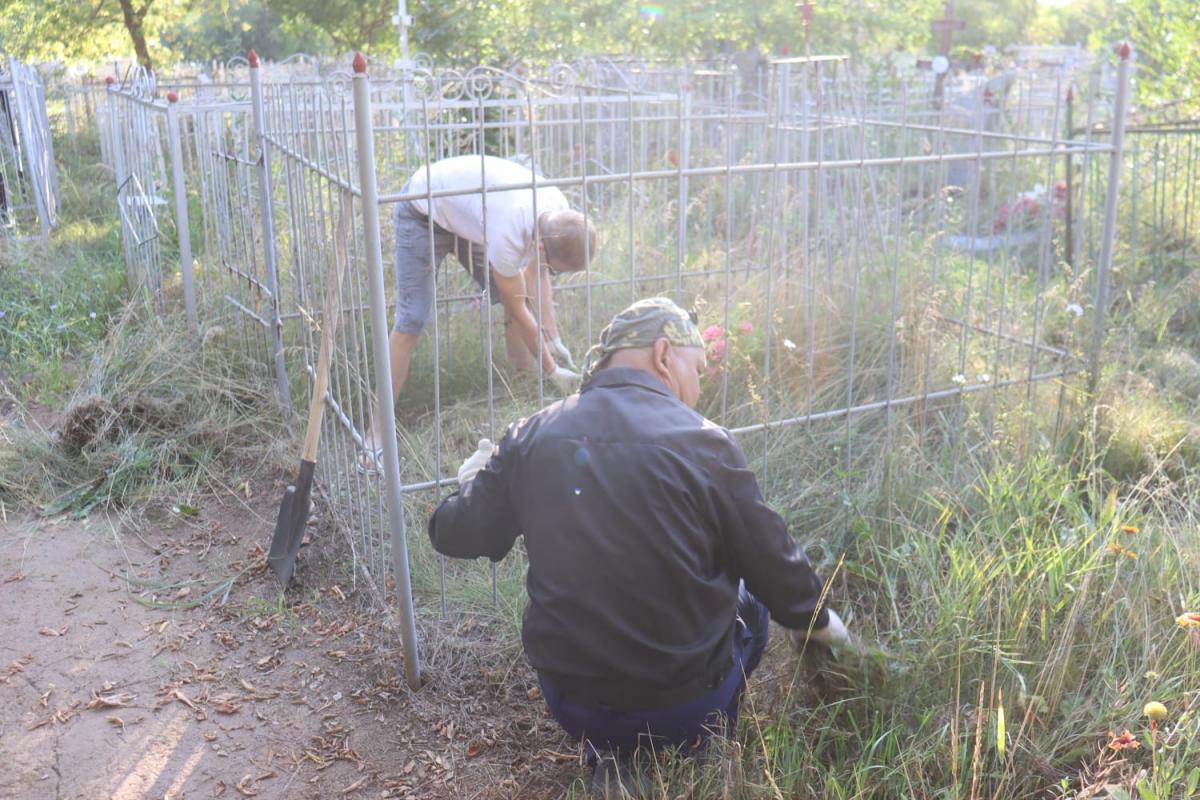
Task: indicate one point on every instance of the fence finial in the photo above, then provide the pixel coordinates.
(172, 97)
(252, 58)
(1123, 50)
(110, 80)
(359, 64)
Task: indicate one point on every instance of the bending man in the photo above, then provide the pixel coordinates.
(653, 559)
(513, 249)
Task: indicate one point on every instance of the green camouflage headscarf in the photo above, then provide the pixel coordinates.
(641, 325)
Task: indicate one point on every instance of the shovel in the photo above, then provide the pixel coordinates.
(293, 511)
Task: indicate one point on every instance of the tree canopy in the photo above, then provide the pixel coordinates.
(1166, 33)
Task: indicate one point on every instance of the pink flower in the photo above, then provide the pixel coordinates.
(712, 333)
(716, 350)
(745, 328)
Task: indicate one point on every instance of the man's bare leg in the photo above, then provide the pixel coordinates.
(519, 354)
(400, 349)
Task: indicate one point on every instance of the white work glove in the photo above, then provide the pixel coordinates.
(564, 379)
(833, 635)
(476, 462)
(562, 352)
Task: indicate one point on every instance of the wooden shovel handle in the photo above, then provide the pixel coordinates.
(329, 322)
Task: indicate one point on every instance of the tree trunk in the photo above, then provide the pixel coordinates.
(133, 23)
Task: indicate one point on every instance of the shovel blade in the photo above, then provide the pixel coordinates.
(289, 527)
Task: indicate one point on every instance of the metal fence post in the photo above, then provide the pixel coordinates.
(182, 224)
(117, 151)
(268, 229)
(365, 146)
(1109, 231)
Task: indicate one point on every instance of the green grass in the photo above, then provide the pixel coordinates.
(59, 296)
(148, 416)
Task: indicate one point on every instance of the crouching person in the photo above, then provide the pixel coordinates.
(653, 560)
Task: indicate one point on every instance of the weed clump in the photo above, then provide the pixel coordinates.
(152, 418)
(1138, 433)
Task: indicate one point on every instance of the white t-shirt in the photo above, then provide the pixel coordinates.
(510, 216)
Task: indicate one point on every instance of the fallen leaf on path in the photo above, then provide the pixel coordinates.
(17, 576)
(116, 721)
(53, 632)
(226, 704)
(474, 749)
(187, 701)
(246, 786)
(355, 785)
(558, 758)
(121, 700)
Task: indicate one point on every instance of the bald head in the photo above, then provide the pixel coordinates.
(569, 239)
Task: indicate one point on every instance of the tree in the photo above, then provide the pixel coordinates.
(209, 32)
(134, 20)
(67, 29)
(1166, 37)
(349, 24)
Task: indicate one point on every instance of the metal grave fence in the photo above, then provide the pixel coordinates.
(29, 199)
(854, 254)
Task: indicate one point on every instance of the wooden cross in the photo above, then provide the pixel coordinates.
(944, 28)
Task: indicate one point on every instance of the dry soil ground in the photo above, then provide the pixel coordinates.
(154, 661)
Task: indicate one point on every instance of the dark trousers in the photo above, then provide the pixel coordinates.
(607, 729)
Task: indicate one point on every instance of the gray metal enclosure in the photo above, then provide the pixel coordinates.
(854, 250)
(28, 173)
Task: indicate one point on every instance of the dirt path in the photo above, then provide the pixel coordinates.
(159, 664)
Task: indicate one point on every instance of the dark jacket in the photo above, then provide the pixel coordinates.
(640, 516)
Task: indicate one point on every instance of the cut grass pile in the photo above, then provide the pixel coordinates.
(152, 418)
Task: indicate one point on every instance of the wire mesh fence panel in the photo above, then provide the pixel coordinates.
(29, 196)
(1161, 189)
(226, 176)
(135, 132)
(319, 233)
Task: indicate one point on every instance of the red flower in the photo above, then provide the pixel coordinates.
(1125, 741)
(712, 333)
